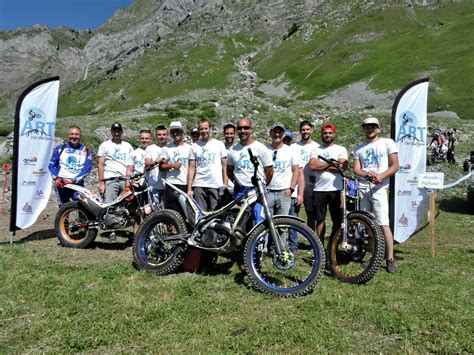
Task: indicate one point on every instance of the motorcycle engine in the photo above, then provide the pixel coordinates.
(116, 217)
(215, 236)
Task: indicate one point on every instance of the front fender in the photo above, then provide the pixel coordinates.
(274, 217)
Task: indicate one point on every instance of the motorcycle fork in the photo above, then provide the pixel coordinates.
(279, 247)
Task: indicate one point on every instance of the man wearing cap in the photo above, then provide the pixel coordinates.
(207, 166)
(328, 184)
(176, 165)
(288, 138)
(377, 158)
(157, 154)
(285, 172)
(70, 162)
(239, 167)
(306, 180)
(115, 160)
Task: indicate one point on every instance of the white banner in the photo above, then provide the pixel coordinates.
(34, 139)
(409, 130)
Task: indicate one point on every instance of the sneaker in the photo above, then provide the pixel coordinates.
(112, 237)
(391, 266)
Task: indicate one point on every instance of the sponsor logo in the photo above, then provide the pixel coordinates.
(409, 132)
(39, 194)
(403, 193)
(403, 221)
(414, 205)
(28, 183)
(27, 209)
(405, 168)
(35, 125)
(413, 182)
(30, 161)
(39, 172)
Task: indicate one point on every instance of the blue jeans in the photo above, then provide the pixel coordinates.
(294, 211)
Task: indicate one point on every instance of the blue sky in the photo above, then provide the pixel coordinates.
(77, 14)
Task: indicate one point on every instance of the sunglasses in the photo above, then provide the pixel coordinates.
(242, 128)
(370, 125)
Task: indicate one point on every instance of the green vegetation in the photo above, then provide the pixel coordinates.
(62, 300)
(400, 45)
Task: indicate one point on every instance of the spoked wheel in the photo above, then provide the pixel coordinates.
(150, 252)
(358, 260)
(295, 272)
(72, 225)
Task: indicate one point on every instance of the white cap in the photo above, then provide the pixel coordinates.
(371, 120)
(176, 125)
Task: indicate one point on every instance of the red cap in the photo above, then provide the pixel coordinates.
(327, 126)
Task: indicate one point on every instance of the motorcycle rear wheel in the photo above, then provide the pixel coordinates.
(293, 274)
(152, 255)
(72, 226)
(359, 261)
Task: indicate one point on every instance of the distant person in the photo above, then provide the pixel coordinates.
(157, 155)
(451, 141)
(207, 166)
(378, 158)
(70, 162)
(176, 165)
(115, 160)
(306, 180)
(328, 184)
(239, 167)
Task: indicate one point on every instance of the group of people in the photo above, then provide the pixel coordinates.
(208, 168)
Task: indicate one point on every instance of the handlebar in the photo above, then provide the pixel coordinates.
(335, 163)
(134, 176)
(255, 162)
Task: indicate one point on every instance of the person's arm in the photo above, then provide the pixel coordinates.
(86, 169)
(294, 179)
(300, 196)
(268, 170)
(101, 175)
(393, 168)
(316, 164)
(357, 169)
(224, 171)
(53, 165)
(230, 172)
(168, 166)
(191, 172)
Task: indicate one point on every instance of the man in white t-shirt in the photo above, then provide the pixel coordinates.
(139, 154)
(328, 184)
(239, 167)
(176, 165)
(207, 166)
(377, 158)
(306, 180)
(157, 154)
(285, 172)
(115, 160)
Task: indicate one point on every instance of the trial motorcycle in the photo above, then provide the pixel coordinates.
(78, 222)
(276, 263)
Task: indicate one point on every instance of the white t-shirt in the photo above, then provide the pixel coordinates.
(304, 152)
(374, 157)
(208, 157)
(283, 160)
(328, 180)
(117, 157)
(174, 154)
(243, 168)
(138, 157)
(155, 176)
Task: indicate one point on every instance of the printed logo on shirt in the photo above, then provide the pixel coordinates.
(206, 157)
(371, 159)
(118, 155)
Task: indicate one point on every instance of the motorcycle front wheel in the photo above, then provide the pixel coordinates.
(150, 253)
(358, 260)
(296, 271)
(72, 226)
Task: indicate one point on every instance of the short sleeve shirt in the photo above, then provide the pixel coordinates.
(328, 180)
(283, 160)
(373, 156)
(304, 152)
(180, 154)
(138, 157)
(156, 176)
(117, 157)
(243, 168)
(208, 157)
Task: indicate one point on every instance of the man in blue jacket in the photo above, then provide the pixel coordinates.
(71, 162)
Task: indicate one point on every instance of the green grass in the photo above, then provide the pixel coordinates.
(62, 300)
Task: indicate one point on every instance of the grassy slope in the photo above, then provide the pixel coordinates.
(62, 300)
(437, 42)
